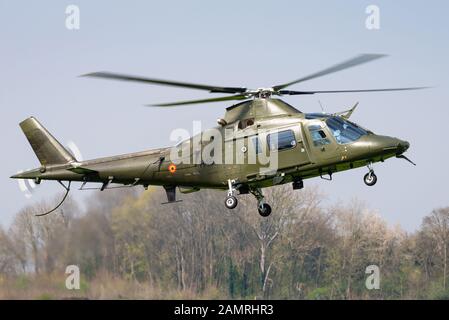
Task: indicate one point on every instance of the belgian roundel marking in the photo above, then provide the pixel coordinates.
(172, 168)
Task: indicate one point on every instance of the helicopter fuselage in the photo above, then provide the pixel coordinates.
(259, 143)
(306, 146)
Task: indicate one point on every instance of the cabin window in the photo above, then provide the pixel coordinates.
(246, 123)
(281, 140)
(318, 136)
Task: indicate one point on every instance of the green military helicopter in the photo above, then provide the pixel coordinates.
(302, 146)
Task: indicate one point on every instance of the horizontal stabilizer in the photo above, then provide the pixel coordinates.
(30, 174)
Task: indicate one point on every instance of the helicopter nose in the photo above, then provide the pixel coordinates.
(385, 144)
(404, 145)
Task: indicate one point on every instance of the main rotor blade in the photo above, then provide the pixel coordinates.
(171, 104)
(358, 60)
(124, 77)
(290, 92)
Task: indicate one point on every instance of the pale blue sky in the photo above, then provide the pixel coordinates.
(234, 43)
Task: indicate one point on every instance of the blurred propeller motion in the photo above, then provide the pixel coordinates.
(241, 93)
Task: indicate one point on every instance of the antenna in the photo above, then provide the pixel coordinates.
(321, 106)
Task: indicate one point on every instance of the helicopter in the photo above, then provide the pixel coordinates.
(264, 140)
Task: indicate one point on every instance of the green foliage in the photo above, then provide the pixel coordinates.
(319, 294)
(437, 291)
(45, 296)
(127, 245)
(22, 282)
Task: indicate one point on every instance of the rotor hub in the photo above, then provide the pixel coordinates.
(263, 93)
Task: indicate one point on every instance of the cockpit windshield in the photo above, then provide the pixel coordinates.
(344, 131)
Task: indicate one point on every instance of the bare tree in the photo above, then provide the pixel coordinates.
(436, 227)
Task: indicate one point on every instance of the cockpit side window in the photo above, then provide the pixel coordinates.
(344, 131)
(318, 136)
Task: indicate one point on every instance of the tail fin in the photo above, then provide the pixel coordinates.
(48, 150)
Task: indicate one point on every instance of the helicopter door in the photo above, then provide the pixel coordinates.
(288, 145)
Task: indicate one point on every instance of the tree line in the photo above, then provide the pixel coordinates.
(200, 249)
